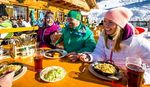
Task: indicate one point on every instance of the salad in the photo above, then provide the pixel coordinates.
(52, 74)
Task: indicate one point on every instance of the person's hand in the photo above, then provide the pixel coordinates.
(83, 57)
(52, 37)
(59, 46)
(6, 81)
(72, 56)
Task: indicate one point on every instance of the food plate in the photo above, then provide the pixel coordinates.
(116, 76)
(52, 74)
(105, 68)
(55, 53)
(24, 70)
(19, 69)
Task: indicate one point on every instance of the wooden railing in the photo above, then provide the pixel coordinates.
(20, 29)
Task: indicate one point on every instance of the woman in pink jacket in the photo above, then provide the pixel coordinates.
(47, 31)
(118, 41)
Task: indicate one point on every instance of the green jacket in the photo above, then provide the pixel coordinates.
(6, 24)
(79, 39)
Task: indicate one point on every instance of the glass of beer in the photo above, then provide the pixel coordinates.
(135, 72)
(38, 58)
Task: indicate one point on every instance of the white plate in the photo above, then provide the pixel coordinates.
(47, 69)
(24, 70)
(108, 78)
(62, 52)
(20, 74)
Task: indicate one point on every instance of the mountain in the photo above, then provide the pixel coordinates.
(140, 8)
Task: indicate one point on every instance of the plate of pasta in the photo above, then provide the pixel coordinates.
(19, 69)
(105, 70)
(55, 53)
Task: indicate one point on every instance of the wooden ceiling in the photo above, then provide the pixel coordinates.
(70, 4)
(85, 5)
(92, 3)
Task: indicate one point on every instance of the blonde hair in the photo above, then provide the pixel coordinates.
(117, 37)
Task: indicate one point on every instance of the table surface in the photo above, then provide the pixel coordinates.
(73, 78)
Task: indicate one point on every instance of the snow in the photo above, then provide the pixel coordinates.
(140, 9)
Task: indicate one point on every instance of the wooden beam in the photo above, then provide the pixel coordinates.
(92, 3)
(70, 4)
(4, 1)
(62, 6)
(20, 29)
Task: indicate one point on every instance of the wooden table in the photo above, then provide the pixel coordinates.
(74, 77)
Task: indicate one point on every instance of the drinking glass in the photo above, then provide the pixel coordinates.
(135, 72)
(38, 59)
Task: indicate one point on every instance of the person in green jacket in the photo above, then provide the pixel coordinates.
(76, 37)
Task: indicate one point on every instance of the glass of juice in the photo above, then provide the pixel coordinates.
(38, 59)
(135, 72)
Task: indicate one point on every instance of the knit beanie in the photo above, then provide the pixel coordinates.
(119, 15)
(75, 14)
(49, 14)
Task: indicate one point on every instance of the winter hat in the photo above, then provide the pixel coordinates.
(49, 14)
(75, 14)
(119, 15)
